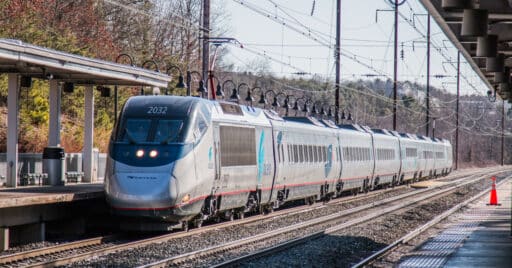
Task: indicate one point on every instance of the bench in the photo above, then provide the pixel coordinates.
(74, 176)
(33, 179)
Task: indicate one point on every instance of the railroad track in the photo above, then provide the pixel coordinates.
(331, 220)
(95, 247)
(418, 231)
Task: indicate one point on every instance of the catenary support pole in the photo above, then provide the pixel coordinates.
(337, 61)
(206, 42)
(395, 66)
(457, 114)
(502, 132)
(427, 125)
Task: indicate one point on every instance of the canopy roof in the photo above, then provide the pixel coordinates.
(44, 63)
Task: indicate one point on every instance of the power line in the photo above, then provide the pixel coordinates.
(152, 16)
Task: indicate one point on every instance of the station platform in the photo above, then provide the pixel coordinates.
(40, 195)
(27, 214)
(480, 236)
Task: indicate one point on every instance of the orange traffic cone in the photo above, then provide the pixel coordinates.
(494, 196)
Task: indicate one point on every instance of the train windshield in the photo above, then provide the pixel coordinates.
(141, 130)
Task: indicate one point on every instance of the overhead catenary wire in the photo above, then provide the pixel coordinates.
(190, 24)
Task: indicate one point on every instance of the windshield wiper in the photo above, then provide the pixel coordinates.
(172, 137)
(130, 137)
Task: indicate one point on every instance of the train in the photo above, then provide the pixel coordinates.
(183, 160)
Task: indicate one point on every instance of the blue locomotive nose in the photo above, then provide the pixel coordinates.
(142, 176)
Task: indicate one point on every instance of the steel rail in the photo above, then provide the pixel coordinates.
(406, 238)
(19, 257)
(176, 260)
(22, 256)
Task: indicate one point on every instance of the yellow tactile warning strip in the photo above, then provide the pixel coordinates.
(480, 237)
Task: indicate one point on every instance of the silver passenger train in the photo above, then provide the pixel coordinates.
(183, 160)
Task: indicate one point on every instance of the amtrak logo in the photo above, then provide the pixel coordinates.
(141, 177)
(210, 157)
(328, 165)
(261, 157)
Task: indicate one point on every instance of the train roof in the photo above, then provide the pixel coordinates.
(233, 112)
(136, 106)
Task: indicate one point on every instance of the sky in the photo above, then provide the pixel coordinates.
(299, 35)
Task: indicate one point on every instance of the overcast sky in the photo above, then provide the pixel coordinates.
(367, 35)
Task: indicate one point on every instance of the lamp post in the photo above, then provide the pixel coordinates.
(264, 101)
(157, 69)
(315, 107)
(332, 113)
(250, 92)
(115, 86)
(201, 88)
(180, 83)
(235, 95)
(306, 109)
(296, 105)
(226, 82)
(218, 92)
(287, 103)
(276, 104)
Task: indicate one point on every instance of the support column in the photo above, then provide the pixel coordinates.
(88, 134)
(12, 131)
(4, 238)
(54, 131)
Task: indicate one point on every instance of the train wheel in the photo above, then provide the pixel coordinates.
(231, 215)
(184, 226)
(198, 223)
(240, 214)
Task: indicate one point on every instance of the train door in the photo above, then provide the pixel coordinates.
(216, 155)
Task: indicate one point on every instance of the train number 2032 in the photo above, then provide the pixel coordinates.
(157, 110)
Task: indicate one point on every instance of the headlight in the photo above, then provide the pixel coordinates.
(153, 153)
(139, 153)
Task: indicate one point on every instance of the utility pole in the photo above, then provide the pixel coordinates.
(457, 114)
(206, 43)
(337, 61)
(428, 78)
(502, 132)
(395, 66)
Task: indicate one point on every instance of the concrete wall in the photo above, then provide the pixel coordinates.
(32, 163)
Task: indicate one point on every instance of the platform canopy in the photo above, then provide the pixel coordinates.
(38, 62)
(482, 31)
(22, 59)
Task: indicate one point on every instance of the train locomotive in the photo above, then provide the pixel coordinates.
(181, 160)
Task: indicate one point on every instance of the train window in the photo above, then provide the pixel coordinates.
(315, 154)
(301, 154)
(282, 152)
(136, 130)
(324, 154)
(290, 153)
(237, 146)
(167, 130)
(295, 154)
(311, 158)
